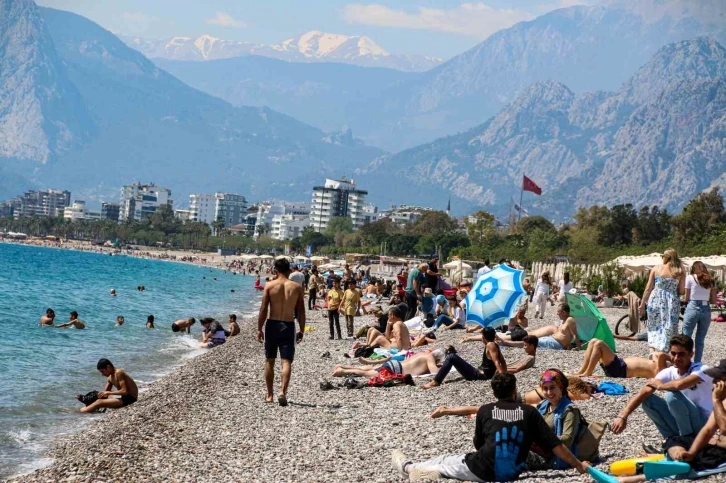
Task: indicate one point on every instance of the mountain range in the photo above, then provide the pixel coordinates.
(82, 111)
(585, 47)
(313, 46)
(660, 139)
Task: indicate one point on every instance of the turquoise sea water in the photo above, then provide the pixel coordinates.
(43, 368)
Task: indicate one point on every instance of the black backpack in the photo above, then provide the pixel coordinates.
(365, 351)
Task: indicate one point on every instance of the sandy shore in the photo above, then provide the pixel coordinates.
(207, 421)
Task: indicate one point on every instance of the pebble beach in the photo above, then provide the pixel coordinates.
(208, 421)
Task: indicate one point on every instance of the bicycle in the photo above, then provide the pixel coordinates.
(623, 321)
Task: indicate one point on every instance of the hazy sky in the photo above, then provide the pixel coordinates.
(440, 28)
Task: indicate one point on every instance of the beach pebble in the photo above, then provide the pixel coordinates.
(207, 420)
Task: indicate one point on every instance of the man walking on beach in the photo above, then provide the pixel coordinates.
(281, 299)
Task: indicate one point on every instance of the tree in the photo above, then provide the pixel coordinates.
(339, 225)
(217, 227)
(435, 223)
(653, 225)
(163, 220)
(530, 223)
(373, 234)
(480, 227)
(618, 227)
(311, 237)
(700, 217)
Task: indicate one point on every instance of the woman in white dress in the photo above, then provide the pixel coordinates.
(565, 286)
(542, 294)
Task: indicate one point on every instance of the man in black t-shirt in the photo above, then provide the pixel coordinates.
(432, 274)
(505, 431)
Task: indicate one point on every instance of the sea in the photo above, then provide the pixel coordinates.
(42, 369)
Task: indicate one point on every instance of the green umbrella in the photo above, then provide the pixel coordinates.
(591, 324)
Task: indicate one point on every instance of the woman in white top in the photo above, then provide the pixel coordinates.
(541, 294)
(565, 286)
(700, 292)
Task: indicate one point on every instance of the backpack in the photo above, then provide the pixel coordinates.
(88, 398)
(588, 439)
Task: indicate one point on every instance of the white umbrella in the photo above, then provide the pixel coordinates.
(455, 265)
(265, 257)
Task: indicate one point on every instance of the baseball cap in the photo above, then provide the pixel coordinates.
(717, 371)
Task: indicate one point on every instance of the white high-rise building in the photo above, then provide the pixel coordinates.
(266, 213)
(287, 227)
(337, 198)
(141, 200)
(77, 211)
(202, 208)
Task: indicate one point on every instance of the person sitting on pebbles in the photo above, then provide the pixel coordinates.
(552, 336)
(492, 362)
(183, 325)
(396, 336)
(126, 388)
(233, 325)
(213, 334)
(426, 362)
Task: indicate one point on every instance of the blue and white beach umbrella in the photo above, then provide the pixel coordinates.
(495, 297)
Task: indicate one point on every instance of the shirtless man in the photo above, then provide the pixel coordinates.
(396, 336)
(74, 321)
(281, 299)
(519, 321)
(119, 321)
(614, 366)
(426, 362)
(551, 336)
(233, 326)
(126, 388)
(48, 318)
(183, 325)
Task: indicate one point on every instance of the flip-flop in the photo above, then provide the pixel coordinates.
(282, 400)
(600, 476)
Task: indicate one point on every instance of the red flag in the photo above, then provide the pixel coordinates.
(529, 185)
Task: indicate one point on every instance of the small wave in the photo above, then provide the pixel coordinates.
(21, 436)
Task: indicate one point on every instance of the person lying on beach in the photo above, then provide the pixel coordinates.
(492, 362)
(426, 362)
(233, 325)
(396, 336)
(150, 322)
(552, 336)
(183, 325)
(48, 318)
(504, 433)
(73, 321)
(213, 334)
(704, 451)
(424, 338)
(118, 378)
(119, 321)
(614, 366)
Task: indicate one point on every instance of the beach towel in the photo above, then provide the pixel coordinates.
(414, 323)
(612, 388)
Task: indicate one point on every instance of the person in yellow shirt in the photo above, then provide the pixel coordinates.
(350, 305)
(334, 299)
(313, 288)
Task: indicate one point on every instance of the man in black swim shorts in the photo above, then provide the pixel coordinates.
(281, 299)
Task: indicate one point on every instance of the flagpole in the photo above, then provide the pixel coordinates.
(521, 196)
(509, 215)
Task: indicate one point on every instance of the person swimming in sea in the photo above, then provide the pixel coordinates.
(119, 321)
(150, 322)
(48, 318)
(73, 321)
(183, 325)
(113, 292)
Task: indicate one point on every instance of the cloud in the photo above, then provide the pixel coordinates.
(472, 19)
(223, 19)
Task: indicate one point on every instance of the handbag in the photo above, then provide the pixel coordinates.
(588, 440)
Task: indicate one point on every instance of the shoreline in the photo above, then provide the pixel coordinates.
(207, 420)
(47, 437)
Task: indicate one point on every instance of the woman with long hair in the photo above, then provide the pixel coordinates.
(661, 295)
(700, 293)
(542, 294)
(565, 286)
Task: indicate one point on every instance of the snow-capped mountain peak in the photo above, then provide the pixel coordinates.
(313, 46)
